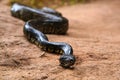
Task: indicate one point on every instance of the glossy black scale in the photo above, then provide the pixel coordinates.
(49, 21)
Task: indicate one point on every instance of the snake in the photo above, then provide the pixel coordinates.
(39, 22)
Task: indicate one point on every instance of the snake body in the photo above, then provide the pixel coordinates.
(46, 20)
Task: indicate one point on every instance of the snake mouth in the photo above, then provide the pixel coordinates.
(67, 61)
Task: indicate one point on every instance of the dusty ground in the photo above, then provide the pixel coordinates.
(94, 34)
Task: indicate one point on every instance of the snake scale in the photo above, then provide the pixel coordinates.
(41, 21)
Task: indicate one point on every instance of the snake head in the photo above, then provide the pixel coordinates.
(67, 61)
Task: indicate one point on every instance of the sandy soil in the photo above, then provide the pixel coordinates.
(94, 34)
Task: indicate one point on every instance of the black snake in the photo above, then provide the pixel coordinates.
(45, 20)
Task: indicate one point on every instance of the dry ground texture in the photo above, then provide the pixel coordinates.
(94, 34)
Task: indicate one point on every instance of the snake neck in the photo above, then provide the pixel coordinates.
(58, 47)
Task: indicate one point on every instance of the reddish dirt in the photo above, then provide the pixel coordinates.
(94, 34)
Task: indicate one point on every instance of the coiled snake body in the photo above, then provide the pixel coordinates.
(47, 21)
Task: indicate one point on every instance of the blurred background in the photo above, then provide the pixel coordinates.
(94, 34)
(48, 3)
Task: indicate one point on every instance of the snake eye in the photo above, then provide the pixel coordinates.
(71, 61)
